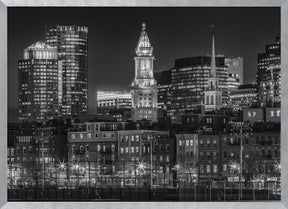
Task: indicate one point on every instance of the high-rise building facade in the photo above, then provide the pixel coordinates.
(164, 89)
(189, 79)
(235, 67)
(113, 100)
(40, 77)
(243, 97)
(233, 81)
(72, 48)
(271, 56)
(270, 87)
(144, 86)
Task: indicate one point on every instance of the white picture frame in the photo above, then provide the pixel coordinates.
(4, 4)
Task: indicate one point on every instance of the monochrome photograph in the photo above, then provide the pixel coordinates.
(144, 104)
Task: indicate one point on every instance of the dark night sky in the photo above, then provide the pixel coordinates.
(114, 33)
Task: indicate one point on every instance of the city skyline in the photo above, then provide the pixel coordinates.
(117, 40)
(189, 125)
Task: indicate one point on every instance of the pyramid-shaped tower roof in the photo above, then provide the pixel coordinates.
(144, 47)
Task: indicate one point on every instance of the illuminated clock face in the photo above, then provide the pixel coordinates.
(145, 68)
(145, 65)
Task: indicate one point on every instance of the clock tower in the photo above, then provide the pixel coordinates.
(144, 86)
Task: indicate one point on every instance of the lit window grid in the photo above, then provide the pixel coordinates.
(73, 52)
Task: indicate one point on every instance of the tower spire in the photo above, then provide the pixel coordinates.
(144, 47)
(143, 27)
(213, 62)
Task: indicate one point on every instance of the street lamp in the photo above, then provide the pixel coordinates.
(152, 143)
(141, 169)
(248, 131)
(235, 167)
(76, 168)
(177, 168)
(61, 167)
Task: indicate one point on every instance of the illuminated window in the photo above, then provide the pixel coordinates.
(272, 113)
(225, 167)
(208, 143)
(208, 169)
(278, 113)
(122, 138)
(249, 114)
(215, 168)
(254, 114)
(201, 143)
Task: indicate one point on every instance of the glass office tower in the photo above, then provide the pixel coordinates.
(72, 48)
(40, 83)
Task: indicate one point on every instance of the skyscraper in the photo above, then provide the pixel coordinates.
(269, 92)
(72, 48)
(164, 89)
(233, 81)
(235, 68)
(40, 78)
(268, 74)
(243, 97)
(144, 86)
(190, 78)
